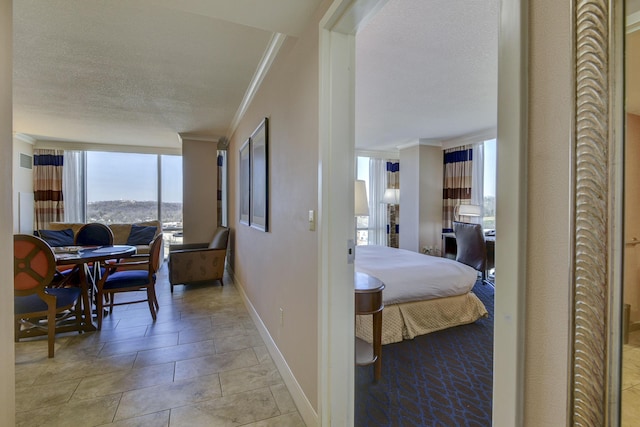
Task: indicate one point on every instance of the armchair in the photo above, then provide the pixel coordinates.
(199, 262)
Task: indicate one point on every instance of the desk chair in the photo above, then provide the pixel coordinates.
(471, 247)
(39, 310)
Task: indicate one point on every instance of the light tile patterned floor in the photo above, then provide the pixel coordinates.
(202, 363)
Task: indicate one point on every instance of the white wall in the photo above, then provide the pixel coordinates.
(409, 238)
(7, 363)
(22, 178)
(200, 190)
(549, 181)
(420, 197)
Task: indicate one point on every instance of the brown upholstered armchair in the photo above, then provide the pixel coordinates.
(199, 262)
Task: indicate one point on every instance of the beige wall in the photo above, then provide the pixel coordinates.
(632, 206)
(7, 370)
(279, 269)
(547, 288)
(22, 178)
(200, 189)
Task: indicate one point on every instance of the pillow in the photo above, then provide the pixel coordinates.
(141, 235)
(57, 237)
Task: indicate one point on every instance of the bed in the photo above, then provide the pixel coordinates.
(422, 293)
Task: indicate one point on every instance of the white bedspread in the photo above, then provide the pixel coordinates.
(411, 276)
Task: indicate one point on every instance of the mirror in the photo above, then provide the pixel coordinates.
(630, 382)
(597, 213)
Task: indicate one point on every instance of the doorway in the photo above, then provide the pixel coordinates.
(337, 44)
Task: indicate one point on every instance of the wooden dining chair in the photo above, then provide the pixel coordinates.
(94, 234)
(38, 309)
(130, 275)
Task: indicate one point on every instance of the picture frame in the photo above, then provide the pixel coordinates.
(245, 183)
(259, 177)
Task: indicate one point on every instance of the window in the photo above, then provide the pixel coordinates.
(171, 198)
(362, 222)
(489, 188)
(121, 187)
(130, 188)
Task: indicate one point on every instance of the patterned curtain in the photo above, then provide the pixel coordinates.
(456, 185)
(47, 187)
(393, 211)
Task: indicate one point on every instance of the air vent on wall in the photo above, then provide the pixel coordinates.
(26, 161)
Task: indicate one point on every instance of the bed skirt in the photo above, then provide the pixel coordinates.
(408, 320)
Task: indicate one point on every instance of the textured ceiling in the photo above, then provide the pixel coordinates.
(426, 70)
(139, 72)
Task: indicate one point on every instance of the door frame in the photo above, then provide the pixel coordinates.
(336, 370)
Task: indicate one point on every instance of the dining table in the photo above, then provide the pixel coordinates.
(83, 258)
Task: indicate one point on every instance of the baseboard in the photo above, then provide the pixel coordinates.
(308, 414)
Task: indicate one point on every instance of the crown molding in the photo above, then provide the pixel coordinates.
(270, 53)
(633, 22)
(379, 154)
(22, 137)
(470, 138)
(419, 142)
(198, 137)
(92, 146)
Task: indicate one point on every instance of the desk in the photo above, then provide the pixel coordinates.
(80, 256)
(368, 300)
(449, 248)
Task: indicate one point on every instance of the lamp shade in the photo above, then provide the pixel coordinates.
(360, 196)
(391, 196)
(469, 210)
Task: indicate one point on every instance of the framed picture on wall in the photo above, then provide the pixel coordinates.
(245, 183)
(259, 172)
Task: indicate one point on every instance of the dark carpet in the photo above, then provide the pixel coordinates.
(444, 378)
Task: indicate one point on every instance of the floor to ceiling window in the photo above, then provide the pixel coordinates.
(171, 198)
(489, 187)
(121, 187)
(133, 187)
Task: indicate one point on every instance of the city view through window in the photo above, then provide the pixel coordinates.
(132, 188)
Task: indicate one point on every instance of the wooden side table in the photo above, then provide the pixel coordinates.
(368, 300)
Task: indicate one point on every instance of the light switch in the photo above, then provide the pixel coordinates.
(351, 251)
(312, 220)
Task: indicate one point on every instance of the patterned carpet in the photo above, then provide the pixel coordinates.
(439, 379)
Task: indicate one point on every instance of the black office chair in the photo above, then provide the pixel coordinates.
(471, 247)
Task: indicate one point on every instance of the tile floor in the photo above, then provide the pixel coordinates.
(631, 381)
(202, 363)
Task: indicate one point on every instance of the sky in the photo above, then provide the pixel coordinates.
(490, 172)
(129, 176)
